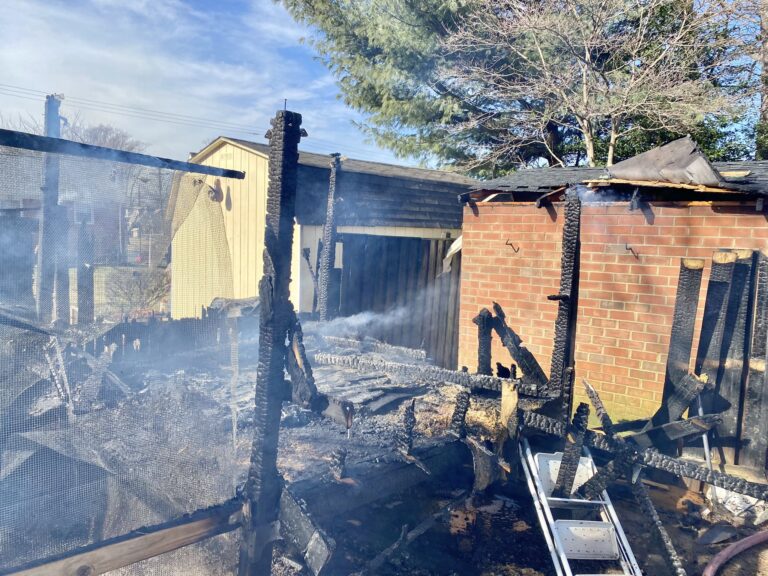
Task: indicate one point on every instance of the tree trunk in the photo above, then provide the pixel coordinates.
(761, 129)
(612, 144)
(589, 144)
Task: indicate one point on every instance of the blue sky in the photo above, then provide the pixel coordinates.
(229, 62)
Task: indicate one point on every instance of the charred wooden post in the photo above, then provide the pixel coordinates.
(326, 308)
(404, 436)
(668, 434)
(640, 493)
(567, 304)
(303, 389)
(263, 486)
(572, 453)
(458, 420)
(306, 254)
(339, 463)
(484, 321)
(532, 372)
(681, 338)
(754, 425)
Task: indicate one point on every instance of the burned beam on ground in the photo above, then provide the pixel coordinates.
(640, 493)
(532, 372)
(415, 372)
(339, 463)
(299, 528)
(325, 308)
(263, 485)
(681, 337)
(567, 303)
(569, 463)
(754, 425)
(593, 488)
(484, 321)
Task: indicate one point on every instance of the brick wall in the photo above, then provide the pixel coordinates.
(626, 299)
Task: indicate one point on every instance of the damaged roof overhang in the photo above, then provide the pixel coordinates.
(676, 171)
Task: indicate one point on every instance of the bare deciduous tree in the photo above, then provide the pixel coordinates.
(594, 66)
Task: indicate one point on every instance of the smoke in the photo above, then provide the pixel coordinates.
(373, 324)
(597, 194)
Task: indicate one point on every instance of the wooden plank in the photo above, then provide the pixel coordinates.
(754, 425)
(401, 298)
(735, 350)
(712, 327)
(683, 320)
(139, 545)
(414, 262)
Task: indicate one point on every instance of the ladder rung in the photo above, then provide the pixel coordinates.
(573, 502)
(587, 539)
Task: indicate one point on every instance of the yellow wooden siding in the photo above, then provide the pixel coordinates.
(217, 252)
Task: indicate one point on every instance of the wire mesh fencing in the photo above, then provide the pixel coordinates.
(113, 415)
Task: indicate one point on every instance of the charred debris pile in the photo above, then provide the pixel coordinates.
(267, 446)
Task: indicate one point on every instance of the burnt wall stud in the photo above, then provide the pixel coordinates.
(263, 485)
(326, 308)
(339, 463)
(567, 303)
(484, 321)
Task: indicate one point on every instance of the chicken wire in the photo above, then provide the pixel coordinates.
(124, 418)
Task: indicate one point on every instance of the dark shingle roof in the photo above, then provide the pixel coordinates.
(366, 167)
(546, 179)
(375, 194)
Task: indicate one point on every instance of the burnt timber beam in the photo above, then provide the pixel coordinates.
(14, 139)
(567, 304)
(681, 337)
(303, 389)
(532, 372)
(484, 321)
(708, 353)
(684, 392)
(263, 485)
(666, 435)
(328, 253)
(415, 372)
(534, 422)
(138, 545)
(372, 345)
(299, 528)
(640, 492)
(734, 353)
(754, 425)
(569, 463)
(404, 436)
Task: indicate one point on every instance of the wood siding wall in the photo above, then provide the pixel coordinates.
(218, 251)
(400, 278)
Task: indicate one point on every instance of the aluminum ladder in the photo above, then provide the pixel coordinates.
(600, 538)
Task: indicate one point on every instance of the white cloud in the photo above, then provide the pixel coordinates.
(231, 64)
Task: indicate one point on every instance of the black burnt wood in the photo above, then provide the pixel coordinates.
(328, 254)
(683, 320)
(684, 392)
(642, 497)
(565, 324)
(484, 321)
(754, 426)
(37, 143)
(572, 453)
(263, 486)
(459, 417)
(712, 328)
(733, 353)
(532, 372)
